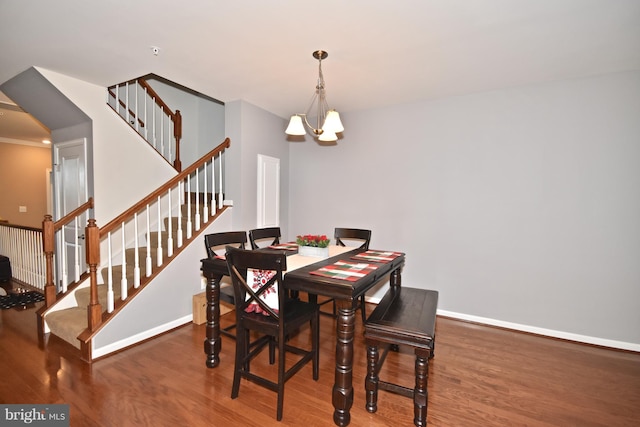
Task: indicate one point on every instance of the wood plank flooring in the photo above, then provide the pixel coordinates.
(481, 376)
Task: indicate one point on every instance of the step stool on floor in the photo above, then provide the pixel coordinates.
(404, 316)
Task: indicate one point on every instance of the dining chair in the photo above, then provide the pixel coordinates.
(350, 237)
(255, 276)
(257, 237)
(216, 246)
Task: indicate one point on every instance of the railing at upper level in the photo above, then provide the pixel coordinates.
(137, 103)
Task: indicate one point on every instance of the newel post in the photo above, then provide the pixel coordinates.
(177, 133)
(94, 310)
(48, 243)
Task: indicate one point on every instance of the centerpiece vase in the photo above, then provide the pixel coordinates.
(313, 251)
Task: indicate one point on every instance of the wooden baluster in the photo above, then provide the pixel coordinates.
(48, 243)
(177, 134)
(93, 259)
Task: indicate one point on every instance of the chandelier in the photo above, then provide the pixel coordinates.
(327, 120)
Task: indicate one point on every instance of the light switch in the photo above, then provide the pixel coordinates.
(22, 208)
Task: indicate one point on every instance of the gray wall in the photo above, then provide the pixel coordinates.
(254, 131)
(521, 206)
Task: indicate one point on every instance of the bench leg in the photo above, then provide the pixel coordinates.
(420, 393)
(371, 380)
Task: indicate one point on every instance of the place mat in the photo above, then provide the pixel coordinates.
(345, 270)
(222, 257)
(377, 256)
(290, 246)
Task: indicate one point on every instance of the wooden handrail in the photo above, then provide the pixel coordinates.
(74, 213)
(161, 191)
(142, 82)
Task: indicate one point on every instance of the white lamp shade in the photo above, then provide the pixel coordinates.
(295, 126)
(332, 122)
(328, 136)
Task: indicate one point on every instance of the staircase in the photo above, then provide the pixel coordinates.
(105, 310)
(69, 323)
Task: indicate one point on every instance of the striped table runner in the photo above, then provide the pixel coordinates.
(345, 270)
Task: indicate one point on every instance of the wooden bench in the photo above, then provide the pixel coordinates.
(404, 316)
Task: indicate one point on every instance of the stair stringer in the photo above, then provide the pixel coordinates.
(165, 305)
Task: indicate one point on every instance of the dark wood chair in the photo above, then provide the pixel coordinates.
(259, 236)
(254, 314)
(216, 246)
(347, 237)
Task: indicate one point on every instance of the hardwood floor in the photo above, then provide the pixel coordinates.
(481, 376)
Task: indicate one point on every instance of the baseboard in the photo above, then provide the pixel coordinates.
(621, 345)
(602, 342)
(135, 339)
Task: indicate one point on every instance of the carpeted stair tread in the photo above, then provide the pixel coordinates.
(68, 324)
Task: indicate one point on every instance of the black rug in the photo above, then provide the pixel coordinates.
(24, 298)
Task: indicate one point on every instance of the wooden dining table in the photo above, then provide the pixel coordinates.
(303, 275)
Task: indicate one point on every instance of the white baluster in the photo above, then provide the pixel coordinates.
(153, 106)
(136, 262)
(110, 303)
(63, 259)
(220, 195)
(205, 205)
(148, 234)
(123, 280)
(170, 226)
(213, 186)
(159, 225)
(189, 223)
(126, 102)
(117, 93)
(180, 202)
(197, 216)
(136, 110)
(146, 124)
(76, 251)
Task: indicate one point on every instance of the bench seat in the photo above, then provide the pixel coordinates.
(404, 316)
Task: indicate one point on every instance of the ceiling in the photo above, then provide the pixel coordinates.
(380, 52)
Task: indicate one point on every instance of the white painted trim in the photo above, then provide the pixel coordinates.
(542, 331)
(134, 339)
(621, 345)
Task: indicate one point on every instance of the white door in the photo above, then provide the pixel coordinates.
(268, 191)
(70, 191)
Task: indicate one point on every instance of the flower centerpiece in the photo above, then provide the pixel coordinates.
(315, 245)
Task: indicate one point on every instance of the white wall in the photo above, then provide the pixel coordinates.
(119, 154)
(521, 206)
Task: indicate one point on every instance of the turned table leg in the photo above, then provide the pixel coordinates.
(343, 386)
(213, 342)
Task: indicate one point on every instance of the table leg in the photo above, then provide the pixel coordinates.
(343, 386)
(213, 342)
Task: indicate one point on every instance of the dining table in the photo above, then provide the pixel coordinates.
(345, 275)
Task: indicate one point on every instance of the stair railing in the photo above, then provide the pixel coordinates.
(140, 241)
(52, 238)
(23, 246)
(137, 103)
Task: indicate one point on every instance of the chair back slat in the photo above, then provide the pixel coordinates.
(342, 234)
(259, 234)
(240, 262)
(216, 243)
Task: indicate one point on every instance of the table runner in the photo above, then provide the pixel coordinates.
(345, 270)
(377, 256)
(290, 246)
